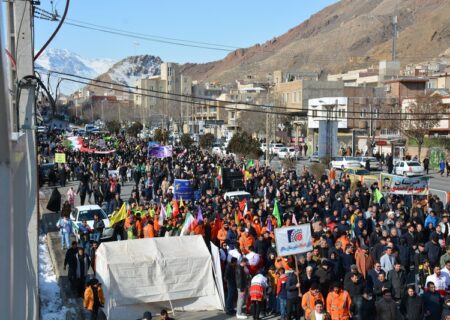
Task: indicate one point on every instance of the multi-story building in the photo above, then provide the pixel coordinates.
(167, 95)
(294, 95)
(369, 77)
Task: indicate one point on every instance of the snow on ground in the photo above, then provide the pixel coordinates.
(49, 291)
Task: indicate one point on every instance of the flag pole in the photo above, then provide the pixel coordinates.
(297, 275)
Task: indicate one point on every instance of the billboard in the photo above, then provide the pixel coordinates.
(293, 240)
(404, 185)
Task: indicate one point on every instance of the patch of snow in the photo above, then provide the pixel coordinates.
(134, 68)
(49, 291)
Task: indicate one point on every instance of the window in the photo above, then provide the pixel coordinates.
(362, 114)
(314, 113)
(212, 109)
(232, 115)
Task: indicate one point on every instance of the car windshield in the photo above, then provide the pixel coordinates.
(89, 214)
(413, 164)
(283, 149)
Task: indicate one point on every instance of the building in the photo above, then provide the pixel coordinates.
(166, 96)
(405, 87)
(295, 95)
(332, 108)
(369, 77)
(280, 76)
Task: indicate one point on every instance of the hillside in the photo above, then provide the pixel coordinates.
(345, 35)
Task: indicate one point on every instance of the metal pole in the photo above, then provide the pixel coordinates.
(267, 139)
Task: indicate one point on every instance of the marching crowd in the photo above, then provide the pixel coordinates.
(374, 257)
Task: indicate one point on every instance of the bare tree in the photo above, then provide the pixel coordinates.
(422, 115)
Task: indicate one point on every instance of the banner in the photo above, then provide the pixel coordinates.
(293, 240)
(60, 158)
(182, 189)
(160, 152)
(404, 185)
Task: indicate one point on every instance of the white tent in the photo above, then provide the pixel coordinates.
(151, 274)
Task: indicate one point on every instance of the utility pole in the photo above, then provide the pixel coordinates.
(394, 37)
(19, 242)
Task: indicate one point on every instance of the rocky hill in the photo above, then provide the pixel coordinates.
(345, 35)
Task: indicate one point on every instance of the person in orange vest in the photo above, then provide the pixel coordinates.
(149, 230)
(309, 299)
(338, 303)
(200, 229)
(222, 234)
(256, 225)
(246, 241)
(139, 225)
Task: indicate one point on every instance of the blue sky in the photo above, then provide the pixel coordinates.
(240, 23)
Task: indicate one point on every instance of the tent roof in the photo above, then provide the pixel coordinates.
(140, 250)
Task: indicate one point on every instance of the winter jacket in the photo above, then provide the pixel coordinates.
(386, 309)
(367, 309)
(291, 286)
(433, 251)
(412, 308)
(363, 262)
(241, 278)
(432, 302)
(398, 282)
(88, 302)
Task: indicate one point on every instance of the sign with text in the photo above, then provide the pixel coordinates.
(404, 185)
(60, 158)
(293, 240)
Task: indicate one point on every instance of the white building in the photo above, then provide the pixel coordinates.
(333, 107)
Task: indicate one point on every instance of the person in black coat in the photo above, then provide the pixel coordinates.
(71, 262)
(366, 309)
(386, 307)
(446, 309)
(230, 278)
(411, 306)
(432, 302)
(54, 203)
(397, 278)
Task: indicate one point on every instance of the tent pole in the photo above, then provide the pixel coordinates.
(171, 306)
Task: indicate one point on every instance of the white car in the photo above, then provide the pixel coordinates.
(274, 148)
(408, 168)
(373, 162)
(344, 162)
(314, 157)
(87, 213)
(288, 152)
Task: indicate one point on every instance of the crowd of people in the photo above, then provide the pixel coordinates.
(372, 258)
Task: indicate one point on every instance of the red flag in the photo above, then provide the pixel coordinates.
(175, 208)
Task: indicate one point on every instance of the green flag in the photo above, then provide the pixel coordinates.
(250, 163)
(276, 213)
(168, 210)
(377, 196)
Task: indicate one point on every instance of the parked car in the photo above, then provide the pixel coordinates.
(374, 163)
(344, 162)
(217, 148)
(87, 212)
(408, 168)
(238, 195)
(283, 153)
(275, 147)
(314, 157)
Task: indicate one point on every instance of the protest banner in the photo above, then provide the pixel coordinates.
(60, 158)
(293, 240)
(182, 189)
(160, 152)
(404, 185)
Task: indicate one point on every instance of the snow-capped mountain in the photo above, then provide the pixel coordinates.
(66, 61)
(133, 68)
(63, 60)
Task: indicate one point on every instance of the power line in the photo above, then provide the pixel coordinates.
(264, 109)
(375, 112)
(154, 36)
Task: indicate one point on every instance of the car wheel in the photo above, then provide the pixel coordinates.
(404, 174)
(342, 167)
